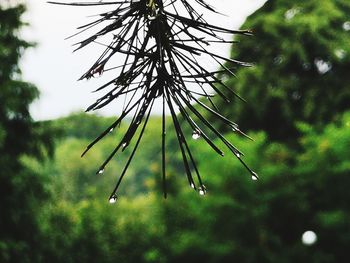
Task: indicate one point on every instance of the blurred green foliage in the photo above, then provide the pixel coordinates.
(54, 207)
(239, 220)
(301, 53)
(22, 191)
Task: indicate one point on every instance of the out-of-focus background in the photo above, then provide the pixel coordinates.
(54, 208)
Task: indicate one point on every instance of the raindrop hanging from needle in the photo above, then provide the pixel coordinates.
(196, 135)
(202, 190)
(255, 176)
(113, 200)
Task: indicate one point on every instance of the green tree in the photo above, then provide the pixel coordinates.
(21, 190)
(241, 220)
(301, 50)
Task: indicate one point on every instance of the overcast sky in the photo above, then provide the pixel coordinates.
(55, 69)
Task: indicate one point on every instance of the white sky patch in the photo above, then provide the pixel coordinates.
(55, 69)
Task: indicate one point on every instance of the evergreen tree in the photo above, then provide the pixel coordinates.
(301, 49)
(20, 189)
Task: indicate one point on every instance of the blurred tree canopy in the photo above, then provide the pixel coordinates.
(238, 221)
(55, 209)
(302, 55)
(21, 190)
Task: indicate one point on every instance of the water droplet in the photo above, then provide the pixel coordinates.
(309, 238)
(291, 13)
(112, 129)
(196, 135)
(238, 155)
(193, 186)
(113, 199)
(306, 66)
(340, 53)
(235, 128)
(101, 171)
(346, 26)
(202, 190)
(151, 18)
(255, 176)
(296, 95)
(322, 66)
(124, 144)
(278, 60)
(97, 72)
